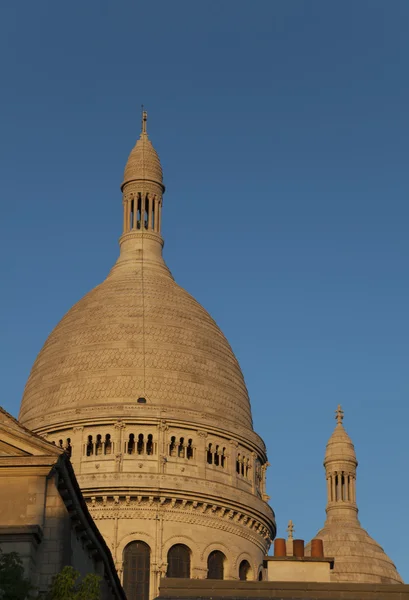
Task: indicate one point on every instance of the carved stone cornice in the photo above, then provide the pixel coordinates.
(187, 510)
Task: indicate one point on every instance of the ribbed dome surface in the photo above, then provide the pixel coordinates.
(138, 334)
(340, 446)
(143, 163)
(358, 558)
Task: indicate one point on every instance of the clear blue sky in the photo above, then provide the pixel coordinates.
(283, 131)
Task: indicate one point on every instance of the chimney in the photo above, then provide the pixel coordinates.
(298, 548)
(280, 547)
(317, 548)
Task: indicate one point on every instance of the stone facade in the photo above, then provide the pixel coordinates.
(43, 515)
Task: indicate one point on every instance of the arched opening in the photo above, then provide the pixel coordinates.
(189, 449)
(181, 448)
(108, 444)
(215, 565)
(139, 213)
(244, 570)
(131, 443)
(216, 456)
(179, 562)
(149, 445)
(209, 454)
(140, 444)
(137, 558)
(260, 576)
(146, 213)
(90, 446)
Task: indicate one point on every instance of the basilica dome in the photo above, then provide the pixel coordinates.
(141, 388)
(138, 341)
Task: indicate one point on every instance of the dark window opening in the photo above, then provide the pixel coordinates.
(146, 211)
(140, 444)
(172, 446)
(215, 565)
(108, 444)
(138, 222)
(149, 445)
(217, 457)
(179, 562)
(131, 444)
(141, 401)
(209, 454)
(137, 571)
(181, 448)
(98, 445)
(189, 449)
(244, 570)
(90, 446)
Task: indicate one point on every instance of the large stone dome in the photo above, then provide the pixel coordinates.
(137, 335)
(142, 389)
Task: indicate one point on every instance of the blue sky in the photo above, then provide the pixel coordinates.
(283, 132)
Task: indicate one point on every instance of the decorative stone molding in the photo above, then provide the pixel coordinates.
(177, 509)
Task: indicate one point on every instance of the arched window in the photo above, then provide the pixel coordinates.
(108, 444)
(215, 565)
(131, 443)
(179, 561)
(260, 576)
(137, 558)
(209, 454)
(217, 456)
(149, 445)
(181, 448)
(90, 446)
(189, 449)
(244, 570)
(140, 444)
(98, 445)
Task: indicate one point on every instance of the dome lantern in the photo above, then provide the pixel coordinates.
(142, 187)
(340, 467)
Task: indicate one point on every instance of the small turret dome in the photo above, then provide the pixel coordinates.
(358, 558)
(143, 162)
(340, 446)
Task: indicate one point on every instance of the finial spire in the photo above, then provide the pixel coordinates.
(290, 530)
(339, 415)
(144, 119)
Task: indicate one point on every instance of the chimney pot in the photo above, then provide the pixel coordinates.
(298, 548)
(280, 547)
(317, 548)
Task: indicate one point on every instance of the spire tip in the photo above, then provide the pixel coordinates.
(339, 415)
(144, 119)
